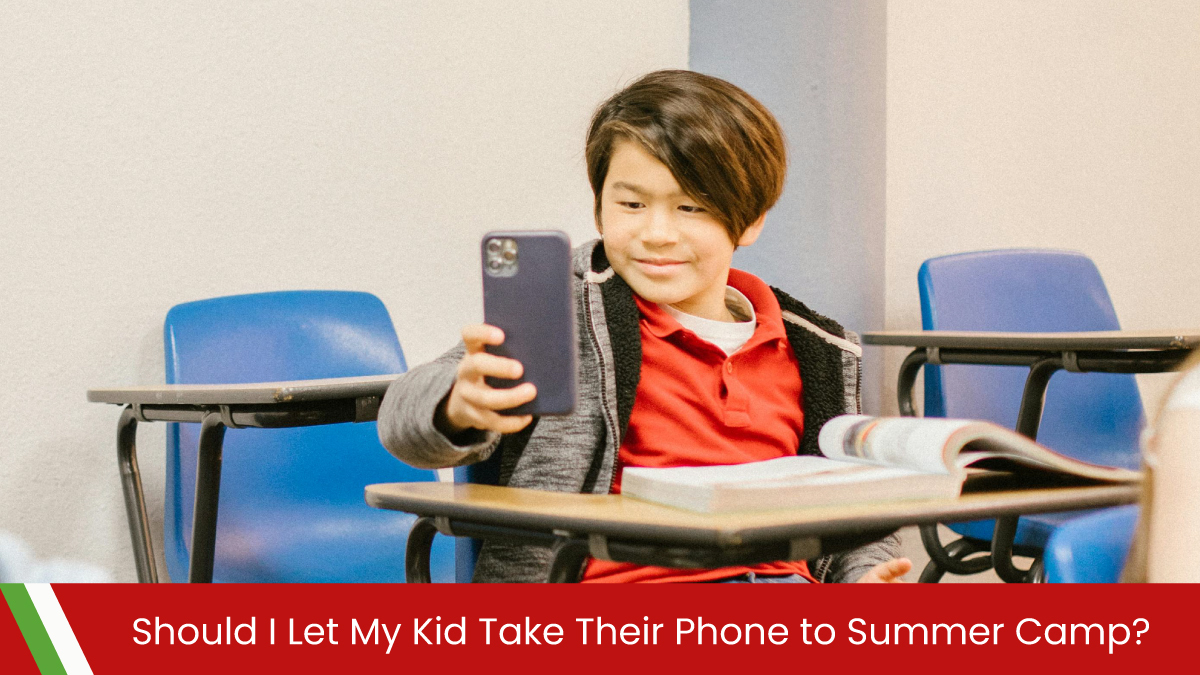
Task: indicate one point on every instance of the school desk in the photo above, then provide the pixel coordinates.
(1044, 354)
(624, 529)
(267, 405)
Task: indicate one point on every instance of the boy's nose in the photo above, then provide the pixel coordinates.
(659, 229)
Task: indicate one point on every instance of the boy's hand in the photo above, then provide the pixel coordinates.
(888, 572)
(472, 404)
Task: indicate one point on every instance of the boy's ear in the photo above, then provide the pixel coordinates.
(750, 235)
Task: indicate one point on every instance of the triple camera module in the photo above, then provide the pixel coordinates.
(501, 257)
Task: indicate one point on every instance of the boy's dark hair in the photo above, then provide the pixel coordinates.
(723, 147)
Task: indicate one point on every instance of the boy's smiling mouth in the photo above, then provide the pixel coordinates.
(658, 266)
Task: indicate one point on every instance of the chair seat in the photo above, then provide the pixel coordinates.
(1092, 549)
(305, 543)
(1032, 531)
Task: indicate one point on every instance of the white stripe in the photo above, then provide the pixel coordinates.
(600, 277)
(841, 343)
(59, 629)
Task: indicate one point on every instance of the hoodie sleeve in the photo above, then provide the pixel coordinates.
(850, 566)
(406, 418)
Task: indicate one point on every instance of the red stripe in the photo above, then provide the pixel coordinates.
(15, 657)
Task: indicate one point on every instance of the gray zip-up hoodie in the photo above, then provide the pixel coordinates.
(577, 453)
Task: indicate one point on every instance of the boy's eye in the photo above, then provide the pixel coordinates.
(688, 208)
(631, 205)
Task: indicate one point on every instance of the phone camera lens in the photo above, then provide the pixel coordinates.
(494, 264)
(509, 256)
(493, 246)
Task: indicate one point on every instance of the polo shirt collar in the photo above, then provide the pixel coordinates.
(768, 315)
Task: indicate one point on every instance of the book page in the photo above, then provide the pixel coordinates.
(1007, 450)
(841, 475)
(916, 443)
(782, 468)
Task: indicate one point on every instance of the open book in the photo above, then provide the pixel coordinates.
(866, 459)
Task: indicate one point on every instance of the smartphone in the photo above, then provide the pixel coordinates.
(527, 294)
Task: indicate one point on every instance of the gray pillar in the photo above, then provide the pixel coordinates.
(821, 67)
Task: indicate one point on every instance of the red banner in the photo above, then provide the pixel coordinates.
(701, 627)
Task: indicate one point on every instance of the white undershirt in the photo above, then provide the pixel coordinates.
(728, 336)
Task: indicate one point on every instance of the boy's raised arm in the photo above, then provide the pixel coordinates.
(406, 415)
(442, 413)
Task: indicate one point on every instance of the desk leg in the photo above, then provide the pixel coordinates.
(908, 379)
(1029, 419)
(1037, 572)
(1002, 551)
(208, 492)
(135, 500)
(941, 559)
(953, 558)
(1033, 399)
(416, 553)
(566, 567)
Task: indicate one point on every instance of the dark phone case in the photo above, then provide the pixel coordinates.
(534, 308)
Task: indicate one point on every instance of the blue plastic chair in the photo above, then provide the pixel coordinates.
(1091, 549)
(291, 505)
(1095, 417)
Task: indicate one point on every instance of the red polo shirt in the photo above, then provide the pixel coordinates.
(695, 406)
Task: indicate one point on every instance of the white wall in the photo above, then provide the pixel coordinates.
(155, 153)
(1068, 124)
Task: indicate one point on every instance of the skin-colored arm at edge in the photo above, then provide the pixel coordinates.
(1173, 553)
(890, 572)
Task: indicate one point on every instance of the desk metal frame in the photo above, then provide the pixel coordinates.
(216, 408)
(571, 550)
(1044, 354)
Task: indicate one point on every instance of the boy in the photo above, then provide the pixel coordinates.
(682, 360)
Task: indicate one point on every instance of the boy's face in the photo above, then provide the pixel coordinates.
(662, 243)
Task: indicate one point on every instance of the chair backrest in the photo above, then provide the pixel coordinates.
(281, 486)
(1091, 416)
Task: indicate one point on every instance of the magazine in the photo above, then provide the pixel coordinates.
(864, 459)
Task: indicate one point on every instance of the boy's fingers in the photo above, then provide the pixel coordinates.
(505, 424)
(476, 336)
(481, 364)
(892, 570)
(487, 398)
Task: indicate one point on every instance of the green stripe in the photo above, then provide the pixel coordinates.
(31, 627)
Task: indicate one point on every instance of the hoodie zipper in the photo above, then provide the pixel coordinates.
(604, 400)
(858, 385)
